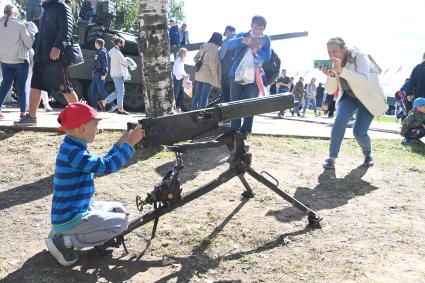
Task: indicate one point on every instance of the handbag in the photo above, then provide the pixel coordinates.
(72, 55)
(198, 64)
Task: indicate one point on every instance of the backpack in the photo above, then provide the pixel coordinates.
(271, 68)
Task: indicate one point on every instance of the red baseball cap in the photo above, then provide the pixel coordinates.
(76, 114)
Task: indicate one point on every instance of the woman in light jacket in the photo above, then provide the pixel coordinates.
(14, 54)
(118, 69)
(209, 73)
(355, 76)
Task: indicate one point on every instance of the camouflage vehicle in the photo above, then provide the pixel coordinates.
(86, 33)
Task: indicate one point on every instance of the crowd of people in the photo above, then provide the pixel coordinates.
(33, 58)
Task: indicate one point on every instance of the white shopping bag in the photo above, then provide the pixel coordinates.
(245, 73)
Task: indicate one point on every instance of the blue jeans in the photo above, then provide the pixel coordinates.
(200, 97)
(311, 100)
(239, 92)
(118, 94)
(10, 73)
(97, 85)
(178, 94)
(347, 106)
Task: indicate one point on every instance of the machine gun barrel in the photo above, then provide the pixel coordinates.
(255, 106)
(168, 130)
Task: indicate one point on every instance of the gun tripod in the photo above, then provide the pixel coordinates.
(166, 196)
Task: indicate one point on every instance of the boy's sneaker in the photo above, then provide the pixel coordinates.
(406, 141)
(26, 121)
(368, 161)
(64, 255)
(329, 164)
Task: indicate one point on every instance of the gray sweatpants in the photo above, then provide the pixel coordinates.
(104, 221)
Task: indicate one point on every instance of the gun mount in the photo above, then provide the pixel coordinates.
(167, 195)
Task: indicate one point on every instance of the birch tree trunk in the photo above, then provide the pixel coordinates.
(155, 58)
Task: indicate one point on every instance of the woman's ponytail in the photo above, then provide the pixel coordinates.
(8, 10)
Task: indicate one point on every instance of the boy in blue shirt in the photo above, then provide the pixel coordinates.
(77, 220)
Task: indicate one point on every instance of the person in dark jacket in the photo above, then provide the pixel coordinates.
(226, 61)
(100, 70)
(416, 84)
(86, 11)
(413, 128)
(50, 72)
(174, 35)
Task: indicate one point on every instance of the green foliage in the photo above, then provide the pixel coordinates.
(130, 9)
(175, 10)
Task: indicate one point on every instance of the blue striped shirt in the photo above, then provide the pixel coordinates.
(74, 179)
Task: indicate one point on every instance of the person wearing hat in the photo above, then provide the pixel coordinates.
(77, 220)
(413, 127)
(226, 61)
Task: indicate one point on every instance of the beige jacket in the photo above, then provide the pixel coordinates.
(210, 71)
(363, 81)
(16, 42)
(118, 63)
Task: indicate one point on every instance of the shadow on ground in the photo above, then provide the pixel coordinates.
(5, 134)
(198, 160)
(43, 268)
(26, 193)
(331, 192)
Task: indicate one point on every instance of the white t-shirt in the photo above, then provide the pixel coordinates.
(178, 69)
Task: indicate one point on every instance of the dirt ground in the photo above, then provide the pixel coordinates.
(373, 227)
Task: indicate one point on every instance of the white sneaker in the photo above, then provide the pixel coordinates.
(64, 255)
(48, 108)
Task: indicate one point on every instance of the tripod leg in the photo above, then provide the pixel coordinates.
(313, 218)
(248, 193)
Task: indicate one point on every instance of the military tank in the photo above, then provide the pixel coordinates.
(85, 34)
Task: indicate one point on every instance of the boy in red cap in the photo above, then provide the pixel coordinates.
(77, 221)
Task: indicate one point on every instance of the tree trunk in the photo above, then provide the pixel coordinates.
(155, 58)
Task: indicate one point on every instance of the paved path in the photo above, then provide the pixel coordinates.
(268, 124)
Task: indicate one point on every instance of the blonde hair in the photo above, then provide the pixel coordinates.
(100, 41)
(182, 52)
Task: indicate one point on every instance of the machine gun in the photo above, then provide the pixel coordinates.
(170, 130)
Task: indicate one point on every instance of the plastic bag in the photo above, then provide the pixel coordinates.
(126, 74)
(245, 73)
(131, 63)
(131, 67)
(187, 87)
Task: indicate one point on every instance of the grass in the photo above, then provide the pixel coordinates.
(385, 119)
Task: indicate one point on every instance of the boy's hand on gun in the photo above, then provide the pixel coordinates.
(132, 136)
